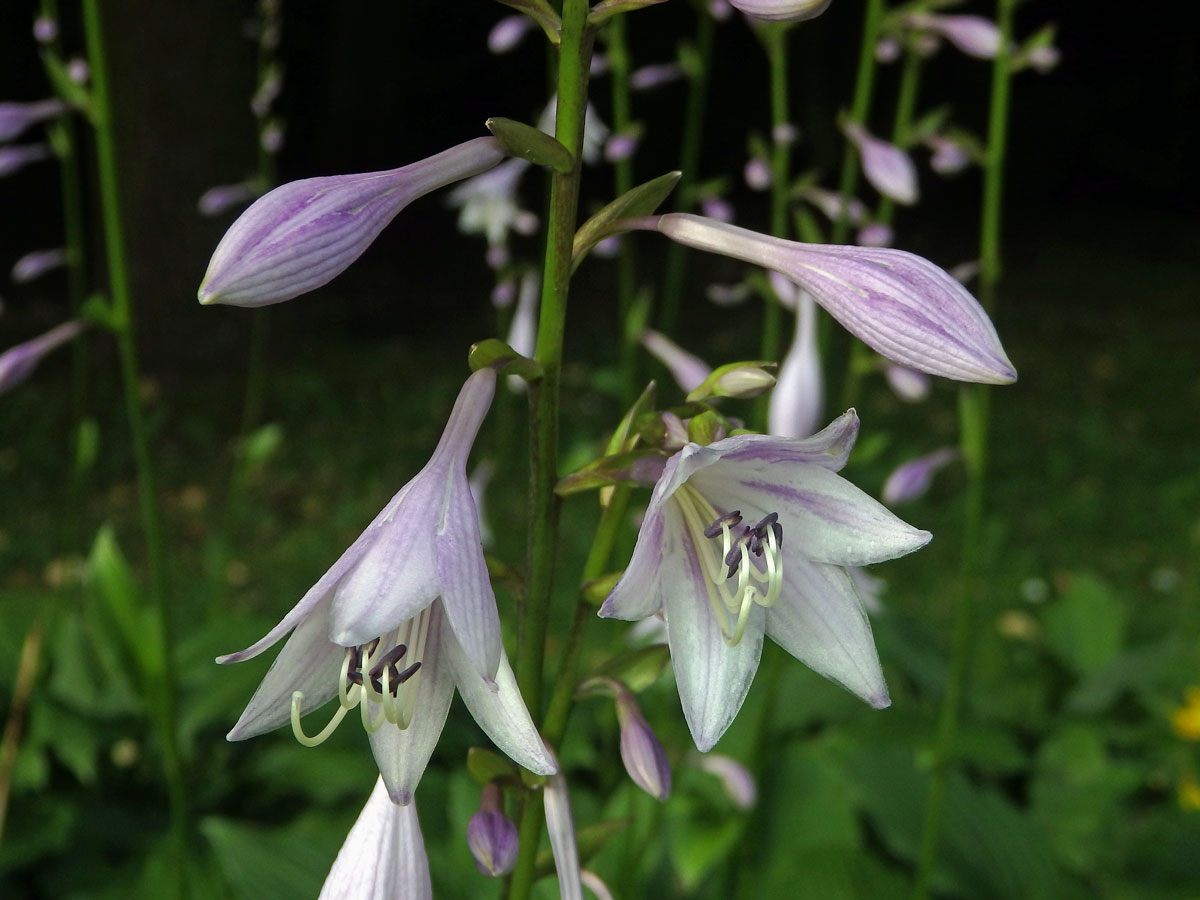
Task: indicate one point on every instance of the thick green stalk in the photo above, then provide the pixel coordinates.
(689, 164)
(160, 689)
(575, 51)
(974, 404)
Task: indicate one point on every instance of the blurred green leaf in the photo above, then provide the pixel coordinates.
(636, 669)
(1085, 627)
(274, 863)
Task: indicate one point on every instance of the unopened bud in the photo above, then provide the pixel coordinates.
(912, 479)
(908, 384)
(886, 166)
(38, 263)
(741, 380)
(492, 837)
(688, 370)
(757, 174)
(17, 363)
(508, 33)
(18, 156)
(45, 29)
(16, 117)
(643, 755)
(735, 778)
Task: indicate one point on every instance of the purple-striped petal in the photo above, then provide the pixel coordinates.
(781, 10)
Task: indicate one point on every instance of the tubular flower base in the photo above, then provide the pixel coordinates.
(750, 536)
(900, 305)
(402, 618)
(304, 234)
(383, 857)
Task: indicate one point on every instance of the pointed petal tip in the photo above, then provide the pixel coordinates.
(880, 700)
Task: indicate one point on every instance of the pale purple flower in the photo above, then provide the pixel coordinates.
(781, 10)
(621, 145)
(45, 29)
(973, 35)
(1041, 59)
(749, 537)
(965, 271)
(17, 363)
(648, 78)
(886, 166)
(799, 397)
(720, 10)
(757, 173)
(887, 50)
(949, 156)
(508, 33)
(834, 206)
(735, 778)
(522, 331)
(675, 433)
(688, 370)
(875, 234)
(15, 157)
(78, 70)
(902, 306)
(912, 479)
(16, 117)
(384, 855)
(491, 836)
(644, 758)
(908, 384)
(224, 197)
(608, 248)
(785, 134)
(271, 138)
(402, 618)
(304, 234)
(560, 826)
(595, 132)
(717, 208)
(487, 204)
(37, 263)
(504, 293)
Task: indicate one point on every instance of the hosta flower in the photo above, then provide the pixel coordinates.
(902, 306)
(304, 234)
(781, 10)
(37, 263)
(644, 758)
(17, 363)
(973, 35)
(17, 156)
(402, 618)
(750, 536)
(16, 117)
(560, 827)
(383, 857)
(887, 167)
(912, 479)
(799, 397)
(688, 370)
(487, 204)
(491, 836)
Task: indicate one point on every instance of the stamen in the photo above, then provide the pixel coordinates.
(390, 658)
(727, 520)
(321, 736)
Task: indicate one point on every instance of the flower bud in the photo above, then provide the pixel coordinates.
(18, 156)
(45, 29)
(17, 363)
(912, 479)
(78, 70)
(973, 35)
(781, 10)
(508, 33)
(38, 263)
(834, 206)
(886, 166)
(875, 234)
(741, 381)
(757, 174)
(492, 836)
(734, 777)
(908, 384)
(797, 401)
(717, 208)
(621, 146)
(16, 117)
(641, 752)
(949, 156)
(304, 234)
(647, 78)
(224, 197)
(688, 370)
(887, 50)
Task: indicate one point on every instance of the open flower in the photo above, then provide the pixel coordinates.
(750, 536)
(402, 618)
(900, 305)
(383, 857)
(781, 10)
(305, 233)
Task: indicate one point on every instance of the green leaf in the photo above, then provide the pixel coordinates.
(526, 142)
(503, 358)
(486, 766)
(590, 840)
(636, 669)
(642, 200)
(263, 863)
(606, 9)
(541, 12)
(1085, 627)
(602, 472)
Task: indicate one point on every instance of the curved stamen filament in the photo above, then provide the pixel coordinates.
(320, 736)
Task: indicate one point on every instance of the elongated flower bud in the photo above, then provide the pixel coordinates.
(688, 369)
(17, 363)
(16, 117)
(18, 156)
(797, 401)
(908, 384)
(304, 234)
(973, 35)
(886, 166)
(781, 10)
(899, 304)
(492, 837)
(641, 752)
(735, 778)
(37, 263)
(912, 479)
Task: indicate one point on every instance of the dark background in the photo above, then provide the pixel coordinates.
(1101, 154)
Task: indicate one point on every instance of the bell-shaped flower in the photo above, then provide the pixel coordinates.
(16, 117)
(799, 397)
(781, 10)
(973, 35)
(304, 234)
(887, 167)
(750, 536)
(402, 618)
(900, 305)
(911, 480)
(383, 856)
(491, 836)
(644, 758)
(17, 363)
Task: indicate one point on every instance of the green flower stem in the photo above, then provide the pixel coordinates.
(575, 51)
(774, 38)
(689, 164)
(860, 109)
(974, 407)
(160, 688)
(906, 106)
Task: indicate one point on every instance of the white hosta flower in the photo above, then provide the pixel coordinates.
(405, 616)
(781, 10)
(799, 395)
(750, 536)
(487, 204)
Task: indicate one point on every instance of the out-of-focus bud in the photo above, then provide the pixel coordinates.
(688, 370)
(720, 10)
(875, 234)
(78, 70)
(965, 271)
(16, 117)
(886, 166)
(45, 29)
(908, 384)
(272, 137)
(728, 294)
(39, 262)
(608, 248)
(1041, 59)
(912, 479)
(887, 50)
(224, 197)
(735, 778)
(643, 755)
(17, 363)
(798, 398)
(949, 156)
(785, 134)
(492, 837)
(18, 156)
(508, 33)
(757, 174)
(304, 234)
(504, 293)
(599, 65)
(973, 35)
(522, 332)
(268, 92)
(834, 205)
(622, 145)
(781, 10)
(717, 208)
(648, 78)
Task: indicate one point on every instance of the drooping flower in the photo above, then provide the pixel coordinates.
(491, 836)
(912, 479)
(900, 305)
(16, 117)
(560, 827)
(887, 167)
(799, 397)
(402, 618)
(384, 855)
(17, 363)
(304, 234)
(723, 582)
(781, 10)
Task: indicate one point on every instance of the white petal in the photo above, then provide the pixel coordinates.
(308, 662)
(819, 619)
(712, 678)
(499, 708)
(467, 596)
(402, 755)
(635, 596)
(824, 517)
(828, 448)
(561, 827)
(383, 857)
